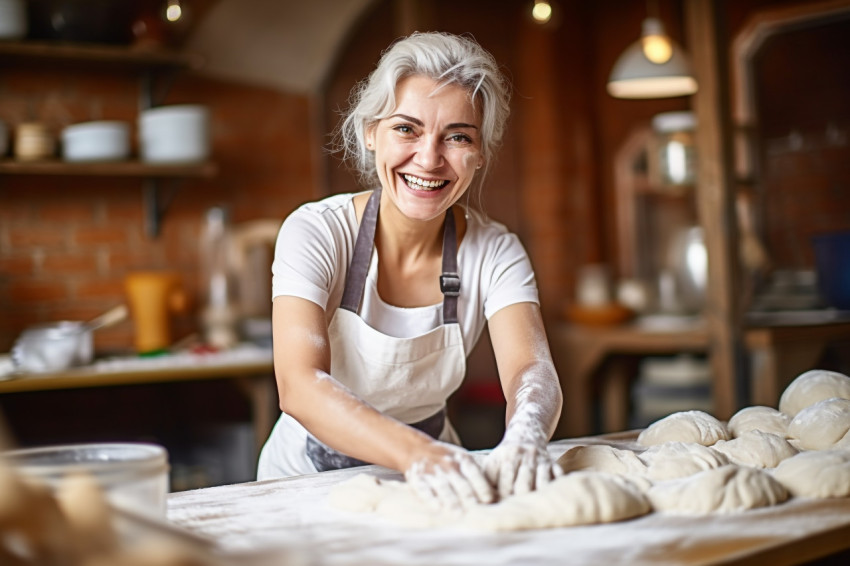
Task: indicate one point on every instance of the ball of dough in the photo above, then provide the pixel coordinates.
(813, 386)
(685, 426)
(727, 489)
(765, 419)
(578, 498)
(822, 425)
(819, 474)
(602, 458)
(679, 459)
(757, 449)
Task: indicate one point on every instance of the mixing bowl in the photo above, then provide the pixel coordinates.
(133, 476)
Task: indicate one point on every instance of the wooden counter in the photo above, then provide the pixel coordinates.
(250, 367)
(294, 513)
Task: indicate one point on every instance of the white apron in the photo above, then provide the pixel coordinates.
(408, 379)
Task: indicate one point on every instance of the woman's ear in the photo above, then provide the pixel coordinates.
(370, 137)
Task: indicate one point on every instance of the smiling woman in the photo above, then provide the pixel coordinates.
(380, 295)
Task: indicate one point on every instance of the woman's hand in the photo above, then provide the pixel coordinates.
(448, 477)
(520, 463)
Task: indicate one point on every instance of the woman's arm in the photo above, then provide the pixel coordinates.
(521, 462)
(337, 417)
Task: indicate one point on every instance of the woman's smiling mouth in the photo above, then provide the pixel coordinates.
(420, 184)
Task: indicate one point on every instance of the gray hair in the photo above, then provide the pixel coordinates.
(443, 57)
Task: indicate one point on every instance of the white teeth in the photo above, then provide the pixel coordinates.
(422, 183)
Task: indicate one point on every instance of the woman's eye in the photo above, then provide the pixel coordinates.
(403, 129)
(460, 138)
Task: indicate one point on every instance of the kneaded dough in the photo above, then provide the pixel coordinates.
(757, 417)
(757, 449)
(602, 458)
(679, 459)
(822, 425)
(813, 386)
(578, 498)
(727, 489)
(819, 474)
(684, 426)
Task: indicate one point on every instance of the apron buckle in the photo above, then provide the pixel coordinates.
(450, 284)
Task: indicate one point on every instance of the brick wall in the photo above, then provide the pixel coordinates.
(66, 243)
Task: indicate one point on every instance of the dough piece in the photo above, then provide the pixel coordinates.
(685, 426)
(727, 489)
(819, 474)
(578, 498)
(822, 425)
(757, 449)
(679, 459)
(602, 458)
(393, 500)
(813, 386)
(765, 419)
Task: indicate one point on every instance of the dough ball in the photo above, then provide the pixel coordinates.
(813, 386)
(685, 426)
(765, 419)
(822, 425)
(679, 459)
(602, 458)
(727, 489)
(819, 474)
(757, 449)
(578, 498)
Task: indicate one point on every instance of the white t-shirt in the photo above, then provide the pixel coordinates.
(314, 249)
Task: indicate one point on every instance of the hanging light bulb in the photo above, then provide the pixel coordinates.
(541, 11)
(652, 67)
(173, 10)
(656, 45)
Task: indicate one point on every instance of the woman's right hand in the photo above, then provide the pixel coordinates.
(447, 477)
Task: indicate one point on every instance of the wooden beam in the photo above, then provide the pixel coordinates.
(715, 204)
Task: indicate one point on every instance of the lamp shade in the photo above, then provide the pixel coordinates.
(635, 76)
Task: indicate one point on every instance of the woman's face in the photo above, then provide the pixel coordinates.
(428, 149)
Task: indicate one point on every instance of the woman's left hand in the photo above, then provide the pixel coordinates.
(520, 464)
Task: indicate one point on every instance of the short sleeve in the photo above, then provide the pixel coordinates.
(305, 258)
(509, 276)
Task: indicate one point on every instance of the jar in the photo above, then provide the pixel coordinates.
(674, 158)
(33, 141)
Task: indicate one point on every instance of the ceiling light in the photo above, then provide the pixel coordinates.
(652, 67)
(542, 11)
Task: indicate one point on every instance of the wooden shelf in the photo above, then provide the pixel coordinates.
(109, 169)
(47, 51)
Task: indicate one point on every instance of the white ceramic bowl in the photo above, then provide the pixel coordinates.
(55, 346)
(174, 134)
(96, 141)
(133, 476)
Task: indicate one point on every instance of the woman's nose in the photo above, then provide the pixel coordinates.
(428, 153)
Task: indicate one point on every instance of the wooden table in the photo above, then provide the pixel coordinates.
(251, 368)
(591, 362)
(294, 514)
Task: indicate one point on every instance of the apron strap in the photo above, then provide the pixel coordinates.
(450, 280)
(355, 281)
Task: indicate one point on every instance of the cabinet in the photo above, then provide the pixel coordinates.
(153, 68)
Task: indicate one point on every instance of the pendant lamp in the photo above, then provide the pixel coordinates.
(652, 67)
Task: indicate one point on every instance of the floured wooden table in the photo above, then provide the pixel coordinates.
(295, 513)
